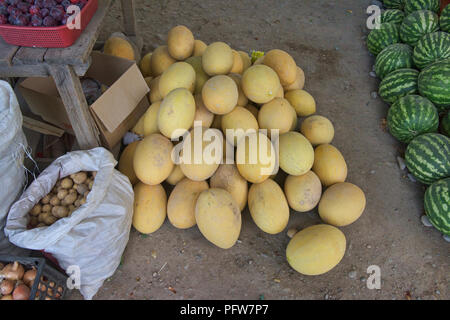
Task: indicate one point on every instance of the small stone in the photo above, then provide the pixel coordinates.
(372, 74)
(352, 274)
(372, 171)
(326, 297)
(437, 292)
(155, 274)
(374, 94)
(446, 238)
(154, 254)
(277, 280)
(411, 177)
(401, 163)
(368, 246)
(425, 221)
(250, 261)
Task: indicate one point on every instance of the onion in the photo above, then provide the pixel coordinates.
(21, 292)
(28, 277)
(13, 271)
(6, 287)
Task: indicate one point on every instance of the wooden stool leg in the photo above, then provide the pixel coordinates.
(70, 90)
(129, 20)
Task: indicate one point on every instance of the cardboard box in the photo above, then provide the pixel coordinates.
(115, 112)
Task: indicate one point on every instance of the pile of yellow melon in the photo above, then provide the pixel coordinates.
(191, 81)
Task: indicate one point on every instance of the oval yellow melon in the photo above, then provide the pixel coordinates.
(139, 127)
(154, 94)
(342, 204)
(303, 192)
(178, 75)
(182, 200)
(217, 59)
(299, 82)
(254, 110)
(268, 206)
(202, 113)
(227, 177)
(151, 119)
(318, 130)
(180, 42)
(161, 60)
(199, 48)
(218, 217)
(150, 204)
(246, 61)
(283, 64)
(145, 65)
(200, 75)
(220, 94)
(303, 103)
(294, 119)
(316, 250)
(238, 64)
(242, 99)
(239, 118)
(276, 114)
(175, 176)
(260, 83)
(119, 47)
(296, 153)
(126, 162)
(201, 165)
(329, 165)
(153, 159)
(255, 158)
(176, 113)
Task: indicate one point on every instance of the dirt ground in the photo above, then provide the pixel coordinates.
(327, 39)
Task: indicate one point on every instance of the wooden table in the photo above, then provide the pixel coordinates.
(66, 65)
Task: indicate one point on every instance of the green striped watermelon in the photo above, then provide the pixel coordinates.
(431, 48)
(393, 57)
(437, 205)
(418, 24)
(397, 84)
(444, 20)
(412, 116)
(445, 124)
(434, 83)
(392, 15)
(378, 39)
(415, 5)
(393, 4)
(427, 157)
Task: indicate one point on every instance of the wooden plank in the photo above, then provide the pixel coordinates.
(80, 51)
(42, 127)
(129, 19)
(24, 71)
(27, 56)
(7, 52)
(71, 93)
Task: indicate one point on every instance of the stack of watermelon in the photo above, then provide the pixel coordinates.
(412, 49)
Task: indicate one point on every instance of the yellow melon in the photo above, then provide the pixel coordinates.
(154, 94)
(161, 60)
(247, 62)
(276, 114)
(152, 161)
(242, 99)
(200, 75)
(150, 207)
(202, 113)
(303, 192)
(126, 162)
(151, 119)
(329, 165)
(283, 64)
(182, 200)
(342, 204)
(316, 250)
(238, 121)
(178, 75)
(260, 83)
(199, 48)
(119, 47)
(318, 130)
(218, 217)
(139, 127)
(220, 94)
(296, 153)
(268, 206)
(303, 103)
(175, 176)
(238, 64)
(227, 177)
(299, 82)
(180, 42)
(217, 59)
(145, 65)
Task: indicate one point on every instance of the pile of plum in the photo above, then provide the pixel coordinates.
(37, 13)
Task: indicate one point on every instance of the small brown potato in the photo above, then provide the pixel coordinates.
(54, 201)
(49, 220)
(46, 208)
(77, 203)
(70, 198)
(34, 221)
(43, 216)
(79, 178)
(36, 210)
(45, 199)
(82, 188)
(60, 211)
(62, 193)
(66, 183)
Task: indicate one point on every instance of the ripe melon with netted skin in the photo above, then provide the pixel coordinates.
(437, 205)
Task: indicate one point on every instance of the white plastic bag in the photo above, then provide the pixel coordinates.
(12, 148)
(94, 236)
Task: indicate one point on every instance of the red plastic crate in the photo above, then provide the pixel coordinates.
(48, 37)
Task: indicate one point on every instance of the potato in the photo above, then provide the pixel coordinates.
(70, 198)
(34, 221)
(46, 208)
(45, 199)
(49, 220)
(43, 215)
(54, 201)
(79, 178)
(67, 183)
(36, 210)
(82, 188)
(60, 211)
(41, 225)
(83, 201)
(62, 193)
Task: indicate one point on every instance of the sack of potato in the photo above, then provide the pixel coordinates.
(79, 210)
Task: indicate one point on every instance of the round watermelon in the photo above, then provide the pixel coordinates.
(418, 24)
(393, 15)
(444, 20)
(427, 157)
(393, 4)
(431, 48)
(414, 5)
(393, 57)
(437, 205)
(412, 116)
(397, 84)
(445, 124)
(378, 39)
(434, 83)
